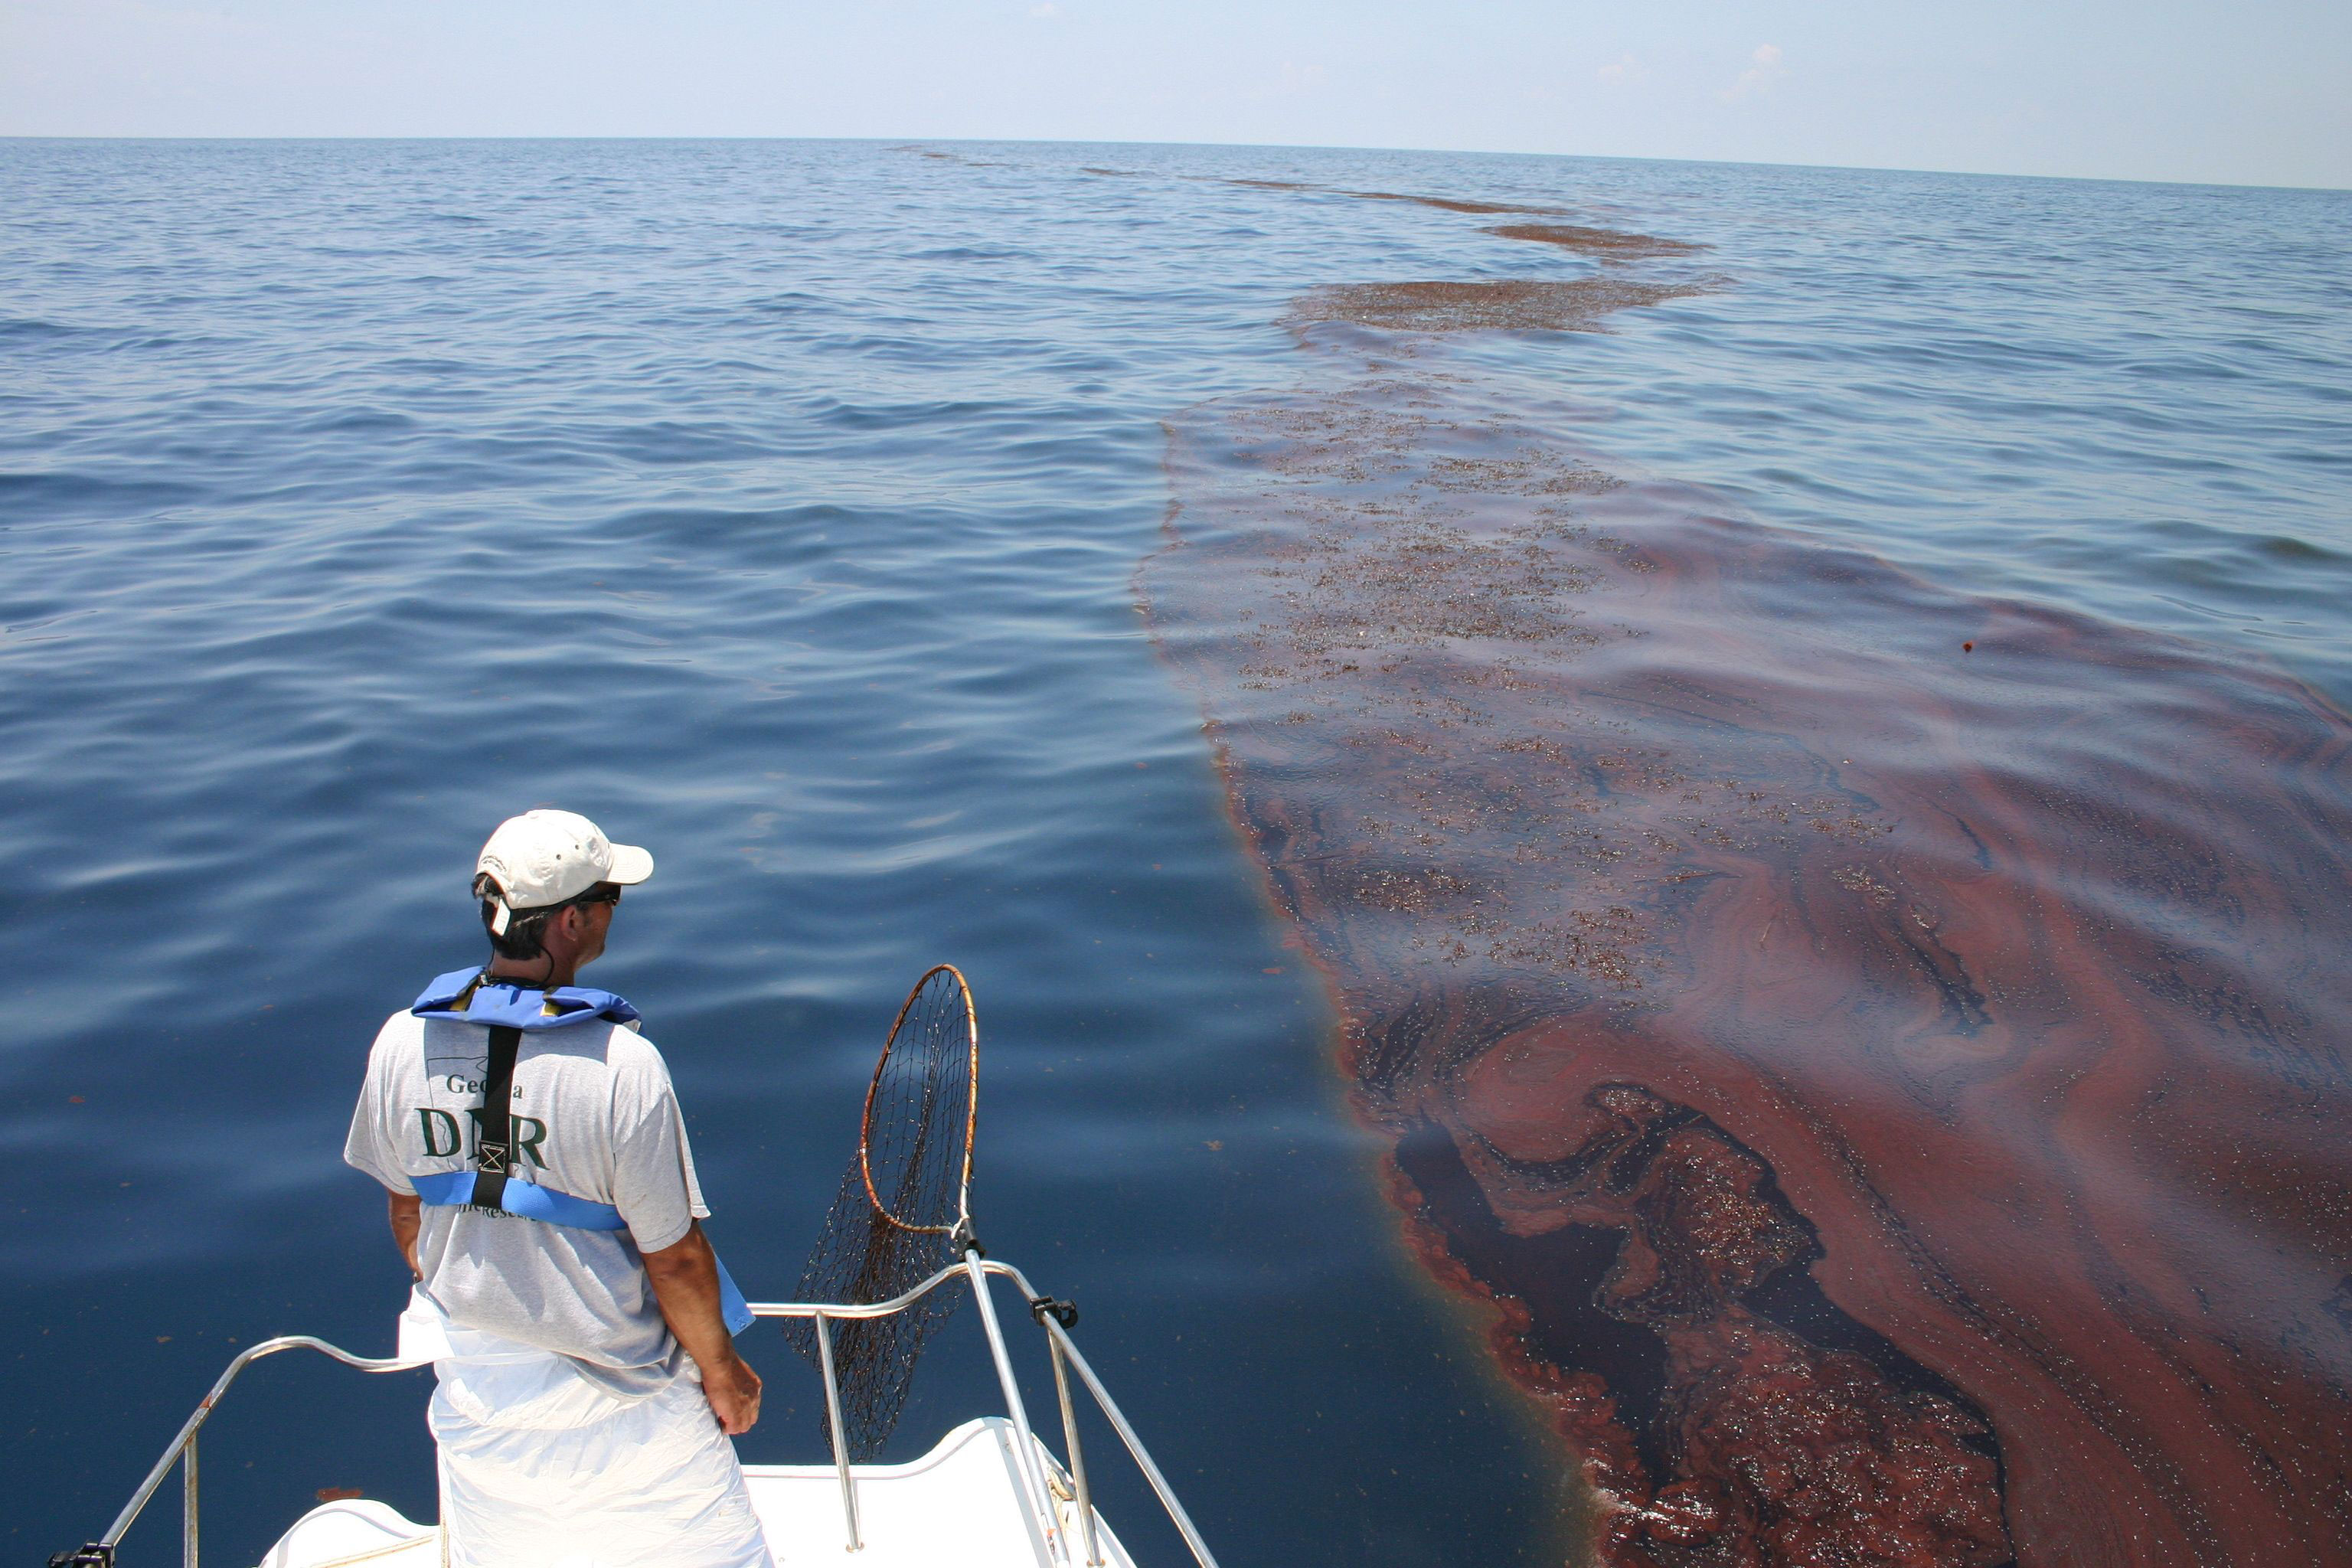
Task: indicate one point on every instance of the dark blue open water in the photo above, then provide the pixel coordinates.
(777, 504)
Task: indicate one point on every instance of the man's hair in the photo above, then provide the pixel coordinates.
(523, 931)
(526, 927)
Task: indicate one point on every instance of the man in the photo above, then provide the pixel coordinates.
(544, 1197)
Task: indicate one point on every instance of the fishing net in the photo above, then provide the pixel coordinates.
(902, 1209)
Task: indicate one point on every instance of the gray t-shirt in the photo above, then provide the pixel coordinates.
(595, 1116)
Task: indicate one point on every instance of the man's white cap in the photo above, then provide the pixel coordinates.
(545, 857)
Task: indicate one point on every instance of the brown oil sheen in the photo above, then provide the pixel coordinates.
(1890, 1098)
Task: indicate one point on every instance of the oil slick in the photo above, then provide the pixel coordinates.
(1610, 244)
(1890, 1102)
(1507, 304)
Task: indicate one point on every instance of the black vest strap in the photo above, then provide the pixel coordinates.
(493, 1147)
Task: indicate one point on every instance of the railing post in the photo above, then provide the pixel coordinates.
(1176, 1514)
(187, 1433)
(833, 1425)
(1078, 1458)
(1033, 1479)
(188, 1503)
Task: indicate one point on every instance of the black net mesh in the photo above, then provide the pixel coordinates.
(916, 1146)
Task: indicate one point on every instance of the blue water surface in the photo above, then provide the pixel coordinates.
(777, 504)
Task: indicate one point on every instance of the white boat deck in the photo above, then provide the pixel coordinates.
(977, 1500)
(960, 1503)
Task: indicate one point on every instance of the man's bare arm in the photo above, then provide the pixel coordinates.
(686, 1283)
(404, 1209)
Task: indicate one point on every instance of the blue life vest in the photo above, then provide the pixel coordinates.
(470, 996)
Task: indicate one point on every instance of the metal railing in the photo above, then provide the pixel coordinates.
(1048, 1537)
(1037, 1497)
(99, 1554)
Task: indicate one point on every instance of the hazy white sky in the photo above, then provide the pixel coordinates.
(2255, 91)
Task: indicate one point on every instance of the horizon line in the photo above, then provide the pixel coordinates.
(1267, 146)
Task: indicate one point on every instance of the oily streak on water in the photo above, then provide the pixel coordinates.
(1876, 1051)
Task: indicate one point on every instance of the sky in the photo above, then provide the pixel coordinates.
(2251, 91)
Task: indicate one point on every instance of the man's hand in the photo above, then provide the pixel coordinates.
(733, 1391)
(402, 1210)
(686, 1283)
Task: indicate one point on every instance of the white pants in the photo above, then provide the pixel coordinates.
(541, 1469)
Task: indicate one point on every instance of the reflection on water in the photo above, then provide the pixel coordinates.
(1878, 1049)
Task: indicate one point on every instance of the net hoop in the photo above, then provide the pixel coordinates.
(971, 1107)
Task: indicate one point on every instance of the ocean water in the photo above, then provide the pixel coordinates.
(780, 505)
